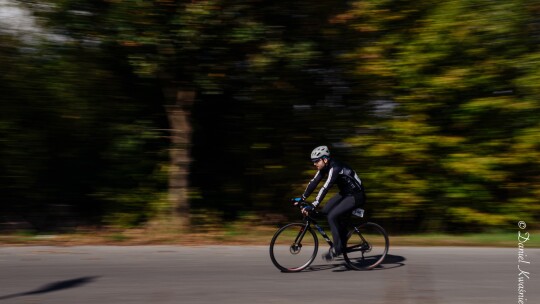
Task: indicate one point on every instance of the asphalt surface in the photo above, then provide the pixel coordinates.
(235, 274)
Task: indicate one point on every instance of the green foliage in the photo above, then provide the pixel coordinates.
(448, 157)
(66, 120)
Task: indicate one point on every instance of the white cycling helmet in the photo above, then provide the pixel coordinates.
(320, 152)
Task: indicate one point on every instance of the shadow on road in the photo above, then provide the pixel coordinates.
(56, 286)
(390, 262)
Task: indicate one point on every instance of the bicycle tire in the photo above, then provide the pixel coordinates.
(367, 246)
(290, 254)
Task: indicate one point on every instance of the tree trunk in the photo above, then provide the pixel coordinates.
(180, 132)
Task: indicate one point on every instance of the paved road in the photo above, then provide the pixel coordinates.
(229, 274)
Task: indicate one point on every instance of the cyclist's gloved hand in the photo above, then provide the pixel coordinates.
(297, 200)
(306, 210)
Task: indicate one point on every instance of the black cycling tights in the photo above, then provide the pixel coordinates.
(337, 209)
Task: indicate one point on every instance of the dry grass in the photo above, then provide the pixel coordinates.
(170, 235)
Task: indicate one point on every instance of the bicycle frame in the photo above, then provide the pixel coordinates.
(360, 246)
(309, 220)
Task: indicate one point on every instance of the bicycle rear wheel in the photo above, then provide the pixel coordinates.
(293, 247)
(367, 246)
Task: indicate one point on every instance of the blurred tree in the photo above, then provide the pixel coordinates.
(249, 60)
(57, 130)
(458, 149)
(438, 102)
(164, 41)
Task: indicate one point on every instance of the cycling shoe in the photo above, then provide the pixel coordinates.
(329, 256)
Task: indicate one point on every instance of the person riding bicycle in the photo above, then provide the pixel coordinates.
(351, 195)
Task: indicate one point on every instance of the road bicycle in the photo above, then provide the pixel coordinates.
(294, 246)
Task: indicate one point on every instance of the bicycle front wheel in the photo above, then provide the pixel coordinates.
(293, 247)
(367, 246)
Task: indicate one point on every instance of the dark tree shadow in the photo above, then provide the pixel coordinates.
(52, 287)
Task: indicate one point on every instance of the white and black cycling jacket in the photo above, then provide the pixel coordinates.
(344, 176)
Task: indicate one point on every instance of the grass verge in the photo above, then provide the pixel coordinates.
(241, 234)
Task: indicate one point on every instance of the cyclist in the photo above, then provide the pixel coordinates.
(351, 195)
